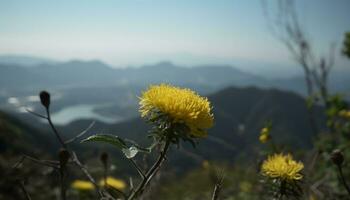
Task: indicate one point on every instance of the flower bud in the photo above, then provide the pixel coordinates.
(337, 157)
(104, 158)
(45, 98)
(64, 156)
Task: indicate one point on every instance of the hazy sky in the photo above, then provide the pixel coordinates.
(131, 32)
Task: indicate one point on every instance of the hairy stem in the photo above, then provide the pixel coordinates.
(54, 129)
(151, 172)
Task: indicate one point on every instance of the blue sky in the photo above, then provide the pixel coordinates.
(133, 32)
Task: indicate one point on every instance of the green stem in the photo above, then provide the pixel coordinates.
(63, 186)
(342, 179)
(137, 168)
(54, 129)
(105, 176)
(151, 172)
(282, 190)
(21, 184)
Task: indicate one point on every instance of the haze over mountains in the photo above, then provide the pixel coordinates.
(98, 74)
(31, 72)
(115, 90)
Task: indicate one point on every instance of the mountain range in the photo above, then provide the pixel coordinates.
(96, 83)
(43, 73)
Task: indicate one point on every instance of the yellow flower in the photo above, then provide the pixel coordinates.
(205, 164)
(82, 185)
(282, 167)
(344, 113)
(113, 182)
(245, 186)
(264, 135)
(312, 197)
(180, 104)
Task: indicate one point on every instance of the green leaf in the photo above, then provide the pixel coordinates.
(110, 139)
(129, 151)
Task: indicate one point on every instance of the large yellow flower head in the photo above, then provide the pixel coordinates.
(180, 105)
(282, 167)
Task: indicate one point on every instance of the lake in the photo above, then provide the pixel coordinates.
(81, 111)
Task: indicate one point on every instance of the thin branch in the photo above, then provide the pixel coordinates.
(131, 183)
(342, 179)
(116, 190)
(216, 192)
(151, 172)
(314, 187)
(137, 168)
(80, 134)
(82, 167)
(36, 114)
(41, 162)
(85, 171)
(21, 185)
(54, 129)
(218, 186)
(18, 163)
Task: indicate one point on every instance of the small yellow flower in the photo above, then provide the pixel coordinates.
(264, 135)
(205, 164)
(312, 197)
(82, 185)
(344, 113)
(181, 105)
(245, 186)
(113, 182)
(282, 167)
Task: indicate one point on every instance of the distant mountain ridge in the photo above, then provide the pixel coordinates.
(27, 61)
(75, 74)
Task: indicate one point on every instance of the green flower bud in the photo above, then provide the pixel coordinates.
(64, 156)
(337, 157)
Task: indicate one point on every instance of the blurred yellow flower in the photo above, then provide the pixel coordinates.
(180, 104)
(264, 135)
(344, 113)
(82, 185)
(205, 164)
(245, 186)
(312, 197)
(113, 182)
(282, 167)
